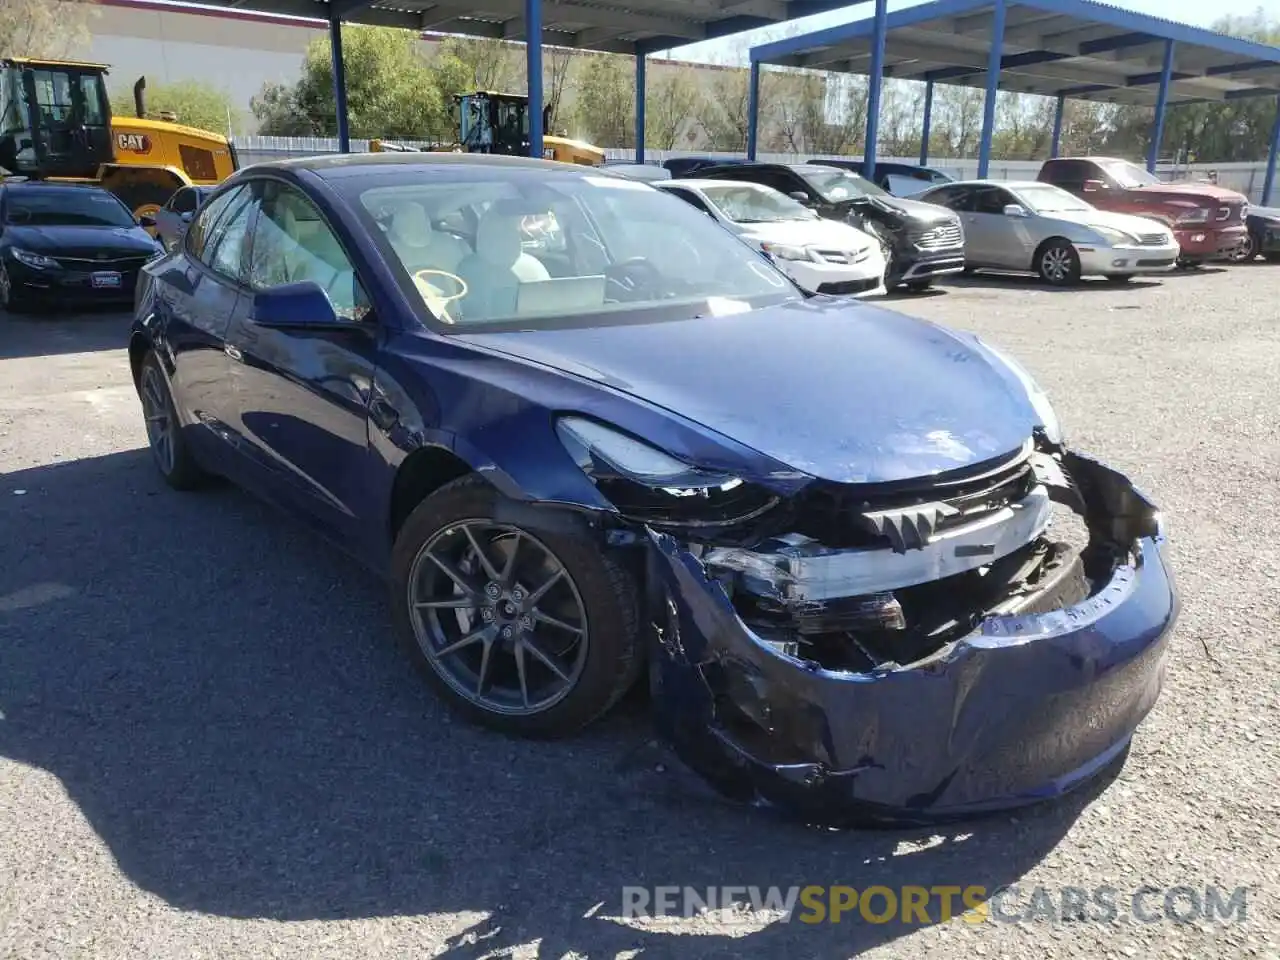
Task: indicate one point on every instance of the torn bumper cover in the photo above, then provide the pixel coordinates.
(1020, 708)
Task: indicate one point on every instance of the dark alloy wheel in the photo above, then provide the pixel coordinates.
(1058, 263)
(164, 433)
(1247, 252)
(531, 633)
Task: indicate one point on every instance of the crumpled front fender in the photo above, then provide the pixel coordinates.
(1021, 709)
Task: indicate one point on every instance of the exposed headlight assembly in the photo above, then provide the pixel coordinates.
(37, 261)
(646, 484)
(1039, 399)
(1112, 235)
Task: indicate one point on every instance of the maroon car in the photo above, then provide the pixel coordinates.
(1208, 221)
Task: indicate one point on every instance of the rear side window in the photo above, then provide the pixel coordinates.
(202, 226)
(184, 201)
(954, 198)
(1069, 172)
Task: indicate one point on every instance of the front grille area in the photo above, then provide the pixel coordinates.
(1224, 213)
(119, 264)
(845, 287)
(939, 237)
(1152, 239)
(1168, 261)
(843, 256)
(832, 513)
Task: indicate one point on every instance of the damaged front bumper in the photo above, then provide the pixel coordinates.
(1020, 708)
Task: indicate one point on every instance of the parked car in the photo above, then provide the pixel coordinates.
(921, 241)
(170, 221)
(1263, 224)
(900, 179)
(1208, 221)
(1037, 227)
(638, 171)
(819, 529)
(683, 166)
(822, 256)
(68, 245)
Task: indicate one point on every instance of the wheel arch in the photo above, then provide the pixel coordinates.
(139, 344)
(1056, 238)
(422, 473)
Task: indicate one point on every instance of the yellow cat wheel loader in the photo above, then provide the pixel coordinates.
(56, 124)
(499, 123)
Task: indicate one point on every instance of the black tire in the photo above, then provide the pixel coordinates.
(1119, 278)
(613, 657)
(1248, 251)
(11, 300)
(919, 286)
(176, 465)
(1271, 257)
(1058, 264)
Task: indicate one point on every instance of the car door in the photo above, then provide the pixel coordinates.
(996, 240)
(303, 396)
(194, 296)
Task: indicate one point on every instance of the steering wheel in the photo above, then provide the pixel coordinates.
(436, 300)
(630, 274)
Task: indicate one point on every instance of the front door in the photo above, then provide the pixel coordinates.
(303, 395)
(996, 240)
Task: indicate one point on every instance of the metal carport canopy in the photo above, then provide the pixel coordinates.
(635, 27)
(1059, 48)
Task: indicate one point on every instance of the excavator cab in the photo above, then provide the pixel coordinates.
(55, 118)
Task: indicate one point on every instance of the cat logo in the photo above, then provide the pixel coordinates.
(133, 142)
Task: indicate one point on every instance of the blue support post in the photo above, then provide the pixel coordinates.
(1162, 101)
(533, 66)
(640, 98)
(1270, 180)
(753, 109)
(1057, 126)
(925, 131)
(993, 88)
(339, 80)
(873, 94)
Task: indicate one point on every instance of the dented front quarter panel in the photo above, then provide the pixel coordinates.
(1022, 709)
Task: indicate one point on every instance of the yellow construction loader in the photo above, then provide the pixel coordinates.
(56, 124)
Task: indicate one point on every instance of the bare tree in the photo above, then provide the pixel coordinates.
(605, 102)
(44, 28)
(672, 102)
(490, 64)
(556, 62)
(725, 111)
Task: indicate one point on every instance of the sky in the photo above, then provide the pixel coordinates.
(1195, 12)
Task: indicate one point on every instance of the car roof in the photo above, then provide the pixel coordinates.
(343, 164)
(1008, 184)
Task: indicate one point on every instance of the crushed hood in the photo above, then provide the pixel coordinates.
(822, 233)
(842, 391)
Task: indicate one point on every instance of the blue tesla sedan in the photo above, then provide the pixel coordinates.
(588, 436)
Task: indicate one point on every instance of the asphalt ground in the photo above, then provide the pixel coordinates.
(210, 747)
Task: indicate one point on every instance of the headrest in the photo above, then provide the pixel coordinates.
(498, 237)
(411, 224)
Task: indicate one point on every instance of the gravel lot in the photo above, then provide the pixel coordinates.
(210, 748)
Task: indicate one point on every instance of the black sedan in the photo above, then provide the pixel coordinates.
(68, 245)
(1264, 235)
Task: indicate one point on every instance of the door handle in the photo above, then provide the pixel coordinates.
(383, 414)
(233, 352)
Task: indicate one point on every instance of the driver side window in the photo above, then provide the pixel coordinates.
(292, 242)
(991, 200)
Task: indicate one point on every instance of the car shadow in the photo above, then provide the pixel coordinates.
(218, 694)
(1019, 281)
(50, 333)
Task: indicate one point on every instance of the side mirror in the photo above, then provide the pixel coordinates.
(799, 196)
(1093, 186)
(297, 306)
(146, 220)
(186, 217)
(1014, 210)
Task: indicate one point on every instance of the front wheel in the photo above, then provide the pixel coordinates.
(529, 631)
(1247, 251)
(1058, 263)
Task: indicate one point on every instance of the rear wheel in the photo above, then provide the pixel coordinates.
(532, 632)
(1058, 264)
(164, 432)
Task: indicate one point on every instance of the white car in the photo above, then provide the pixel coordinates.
(822, 256)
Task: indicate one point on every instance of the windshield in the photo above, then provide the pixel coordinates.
(66, 208)
(749, 203)
(1128, 175)
(837, 185)
(1045, 198)
(483, 246)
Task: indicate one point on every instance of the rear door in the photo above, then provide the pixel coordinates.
(303, 396)
(195, 295)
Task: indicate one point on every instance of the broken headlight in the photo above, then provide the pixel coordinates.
(1035, 395)
(651, 486)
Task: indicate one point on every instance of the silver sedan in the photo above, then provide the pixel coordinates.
(1037, 227)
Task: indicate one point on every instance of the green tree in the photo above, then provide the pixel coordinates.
(278, 114)
(606, 101)
(194, 103)
(43, 28)
(392, 91)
